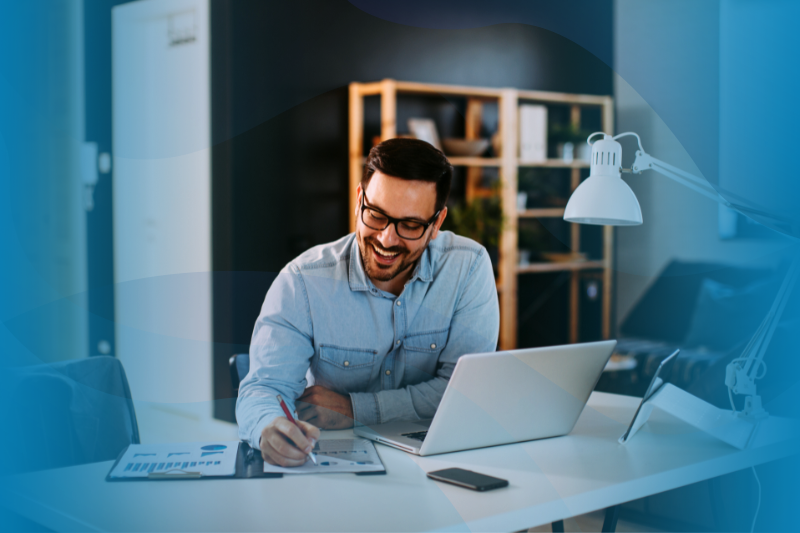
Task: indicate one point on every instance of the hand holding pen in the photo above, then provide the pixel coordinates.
(291, 419)
(287, 441)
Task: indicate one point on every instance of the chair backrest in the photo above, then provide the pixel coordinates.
(239, 366)
(66, 413)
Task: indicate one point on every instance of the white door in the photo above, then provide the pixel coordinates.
(162, 208)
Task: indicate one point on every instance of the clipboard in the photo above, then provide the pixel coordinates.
(249, 465)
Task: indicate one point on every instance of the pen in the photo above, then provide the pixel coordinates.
(293, 421)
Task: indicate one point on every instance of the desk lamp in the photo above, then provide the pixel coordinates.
(604, 199)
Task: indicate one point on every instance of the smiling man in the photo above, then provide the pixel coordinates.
(369, 328)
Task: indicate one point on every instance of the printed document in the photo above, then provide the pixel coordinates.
(335, 456)
(183, 458)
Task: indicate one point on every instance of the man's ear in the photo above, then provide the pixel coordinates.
(358, 200)
(438, 223)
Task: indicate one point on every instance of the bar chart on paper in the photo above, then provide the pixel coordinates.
(200, 458)
(337, 456)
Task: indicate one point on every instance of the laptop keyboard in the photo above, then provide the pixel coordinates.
(417, 435)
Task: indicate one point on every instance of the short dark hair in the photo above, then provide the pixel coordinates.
(411, 159)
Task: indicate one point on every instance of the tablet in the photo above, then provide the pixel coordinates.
(663, 370)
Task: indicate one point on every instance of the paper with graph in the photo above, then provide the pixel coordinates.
(177, 459)
(336, 456)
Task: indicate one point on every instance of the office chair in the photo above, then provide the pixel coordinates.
(66, 413)
(239, 365)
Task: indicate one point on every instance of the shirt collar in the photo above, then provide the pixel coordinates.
(358, 276)
(423, 271)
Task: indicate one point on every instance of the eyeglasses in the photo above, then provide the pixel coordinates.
(405, 228)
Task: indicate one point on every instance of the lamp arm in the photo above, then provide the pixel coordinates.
(744, 206)
(754, 352)
(645, 161)
(742, 373)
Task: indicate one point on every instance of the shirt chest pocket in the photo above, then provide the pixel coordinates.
(422, 355)
(344, 369)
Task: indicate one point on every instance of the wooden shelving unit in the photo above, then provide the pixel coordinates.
(508, 163)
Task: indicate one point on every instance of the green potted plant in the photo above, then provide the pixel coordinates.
(481, 220)
(566, 138)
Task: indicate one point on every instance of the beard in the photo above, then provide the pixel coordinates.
(379, 272)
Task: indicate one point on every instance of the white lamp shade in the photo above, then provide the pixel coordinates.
(604, 200)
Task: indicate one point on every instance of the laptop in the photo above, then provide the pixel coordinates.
(503, 397)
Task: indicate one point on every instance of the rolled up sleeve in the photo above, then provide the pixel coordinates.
(280, 354)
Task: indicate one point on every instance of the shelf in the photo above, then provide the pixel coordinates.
(491, 93)
(554, 163)
(460, 161)
(564, 98)
(542, 212)
(438, 89)
(559, 267)
(496, 162)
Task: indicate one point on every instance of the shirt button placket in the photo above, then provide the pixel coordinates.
(387, 373)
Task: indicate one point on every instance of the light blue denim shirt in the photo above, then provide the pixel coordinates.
(323, 322)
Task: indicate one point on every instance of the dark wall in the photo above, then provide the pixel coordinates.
(280, 72)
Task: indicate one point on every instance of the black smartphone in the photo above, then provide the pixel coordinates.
(468, 479)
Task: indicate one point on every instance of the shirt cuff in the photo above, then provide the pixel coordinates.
(365, 408)
(255, 437)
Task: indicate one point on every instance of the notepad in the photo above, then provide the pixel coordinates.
(337, 456)
(192, 459)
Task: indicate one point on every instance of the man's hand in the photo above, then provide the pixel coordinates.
(325, 408)
(282, 443)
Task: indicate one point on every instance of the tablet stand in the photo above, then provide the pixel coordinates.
(719, 423)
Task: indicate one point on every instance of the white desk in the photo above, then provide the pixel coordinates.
(549, 480)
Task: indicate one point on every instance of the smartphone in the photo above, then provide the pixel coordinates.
(468, 479)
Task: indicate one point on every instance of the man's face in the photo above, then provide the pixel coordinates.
(384, 254)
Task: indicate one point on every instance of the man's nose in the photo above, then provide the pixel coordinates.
(388, 237)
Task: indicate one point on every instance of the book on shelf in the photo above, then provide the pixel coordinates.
(532, 132)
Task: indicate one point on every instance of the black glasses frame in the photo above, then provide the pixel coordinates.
(392, 220)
